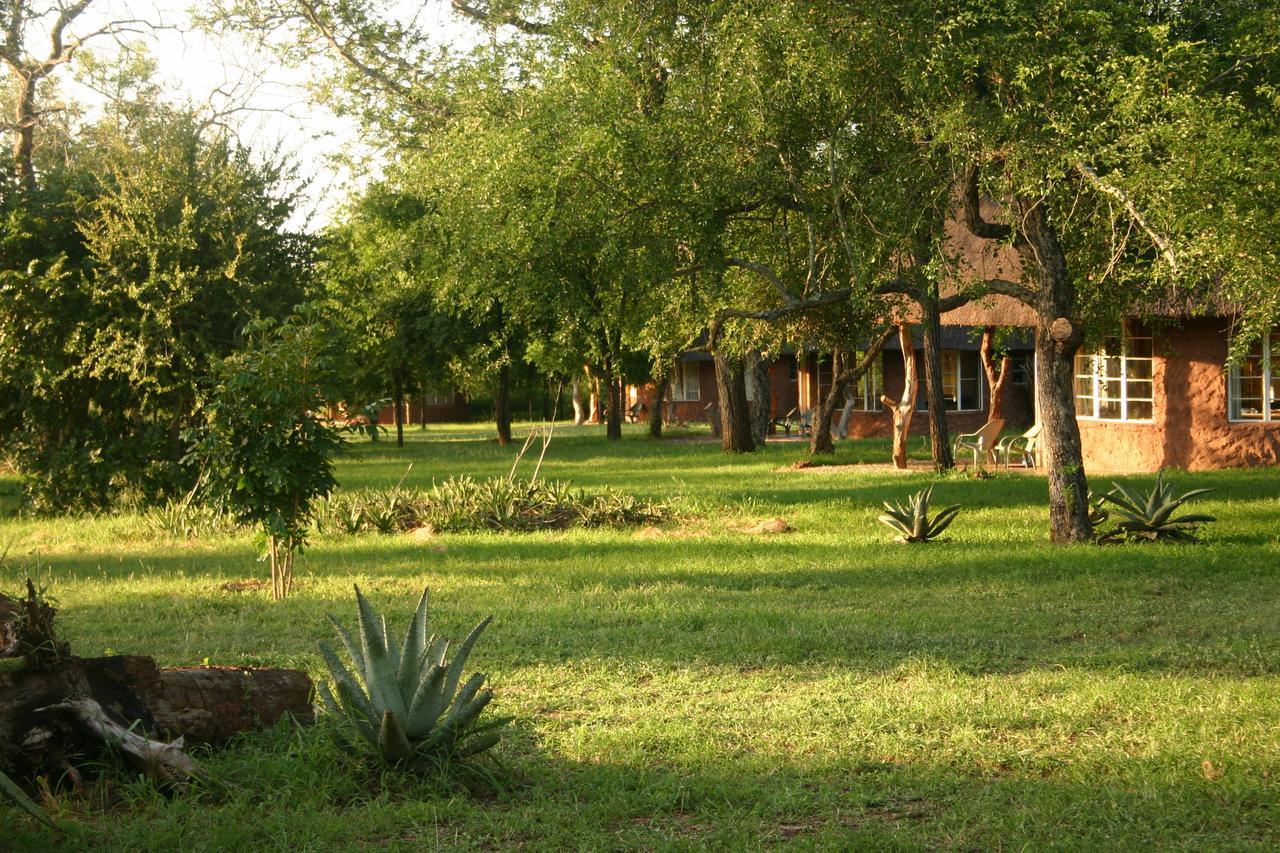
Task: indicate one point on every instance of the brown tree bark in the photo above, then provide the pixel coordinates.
(762, 406)
(398, 400)
(502, 404)
(995, 376)
(1058, 337)
(843, 376)
(579, 410)
(939, 437)
(613, 407)
(735, 417)
(661, 389)
(904, 408)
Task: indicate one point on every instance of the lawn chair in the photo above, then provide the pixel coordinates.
(982, 442)
(634, 413)
(1025, 446)
(787, 422)
(712, 412)
(806, 422)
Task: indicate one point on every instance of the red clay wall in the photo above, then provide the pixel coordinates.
(1190, 429)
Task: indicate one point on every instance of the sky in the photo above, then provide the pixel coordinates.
(274, 115)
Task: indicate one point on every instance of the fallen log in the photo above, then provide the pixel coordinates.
(57, 711)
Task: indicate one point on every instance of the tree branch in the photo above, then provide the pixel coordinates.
(1161, 242)
(973, 211)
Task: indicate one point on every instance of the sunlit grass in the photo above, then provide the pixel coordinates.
(703, 685)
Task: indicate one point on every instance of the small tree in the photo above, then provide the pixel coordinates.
(266, 452)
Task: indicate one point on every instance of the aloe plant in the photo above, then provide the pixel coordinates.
(18, 797)
(404, 700)
(911, 519)
(1150, 516)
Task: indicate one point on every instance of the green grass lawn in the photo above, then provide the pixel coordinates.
(705, 686)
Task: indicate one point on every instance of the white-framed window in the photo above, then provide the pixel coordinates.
(1253, 387)
(961, 381)
(866, 396)
(1114, 383)
(688, 388)
(1020, 370)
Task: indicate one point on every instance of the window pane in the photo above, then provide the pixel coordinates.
(1138, 368)
(1109, 390)
(1109, 409)
(969, 393)
(1140, 389)
(1112, 367)
(1139, 348)
(1139, 410)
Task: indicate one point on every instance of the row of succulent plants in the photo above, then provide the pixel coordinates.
(464, 504)
(459, 504)
(1150, 516)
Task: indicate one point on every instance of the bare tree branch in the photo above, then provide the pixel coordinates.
(973, 211)
(1161, 242)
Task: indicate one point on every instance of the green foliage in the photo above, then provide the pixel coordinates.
(403, 702)
(186, 519)
(150, 244)
(465, 505)
(1150, 517)
(911, 519)
(266, 450)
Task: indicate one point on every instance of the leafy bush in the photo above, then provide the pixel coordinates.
(267, 453)
(463, 504)
(403, 703)
(1150, 516)
(911, 519)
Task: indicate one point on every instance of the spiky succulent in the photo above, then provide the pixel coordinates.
(1150, 516)
(911, 518)
(404, 700)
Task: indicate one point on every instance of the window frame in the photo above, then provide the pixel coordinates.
(1269, 376)
(680, 392)
(953, 378)
(1099, 377)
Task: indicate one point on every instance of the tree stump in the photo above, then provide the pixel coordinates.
(56, 714)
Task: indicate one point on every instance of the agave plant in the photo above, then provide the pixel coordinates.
(10, 790)
(911, 519)
(403, 700)
(1151, 517)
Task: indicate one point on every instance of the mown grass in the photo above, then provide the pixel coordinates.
(706, 686)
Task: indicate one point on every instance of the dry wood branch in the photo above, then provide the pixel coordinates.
(165, 763)
(1161, 242)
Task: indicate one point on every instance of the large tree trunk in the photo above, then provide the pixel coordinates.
(398, 394)
(1058, 337)
(904, 408)
(24, 133)
(579, 410)
(502, 404)
(843, 375)
(613, 412)
(846, 414)
(762, 406)
(661, 388)
(940, 441)
(735, 417)
(995, 376)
